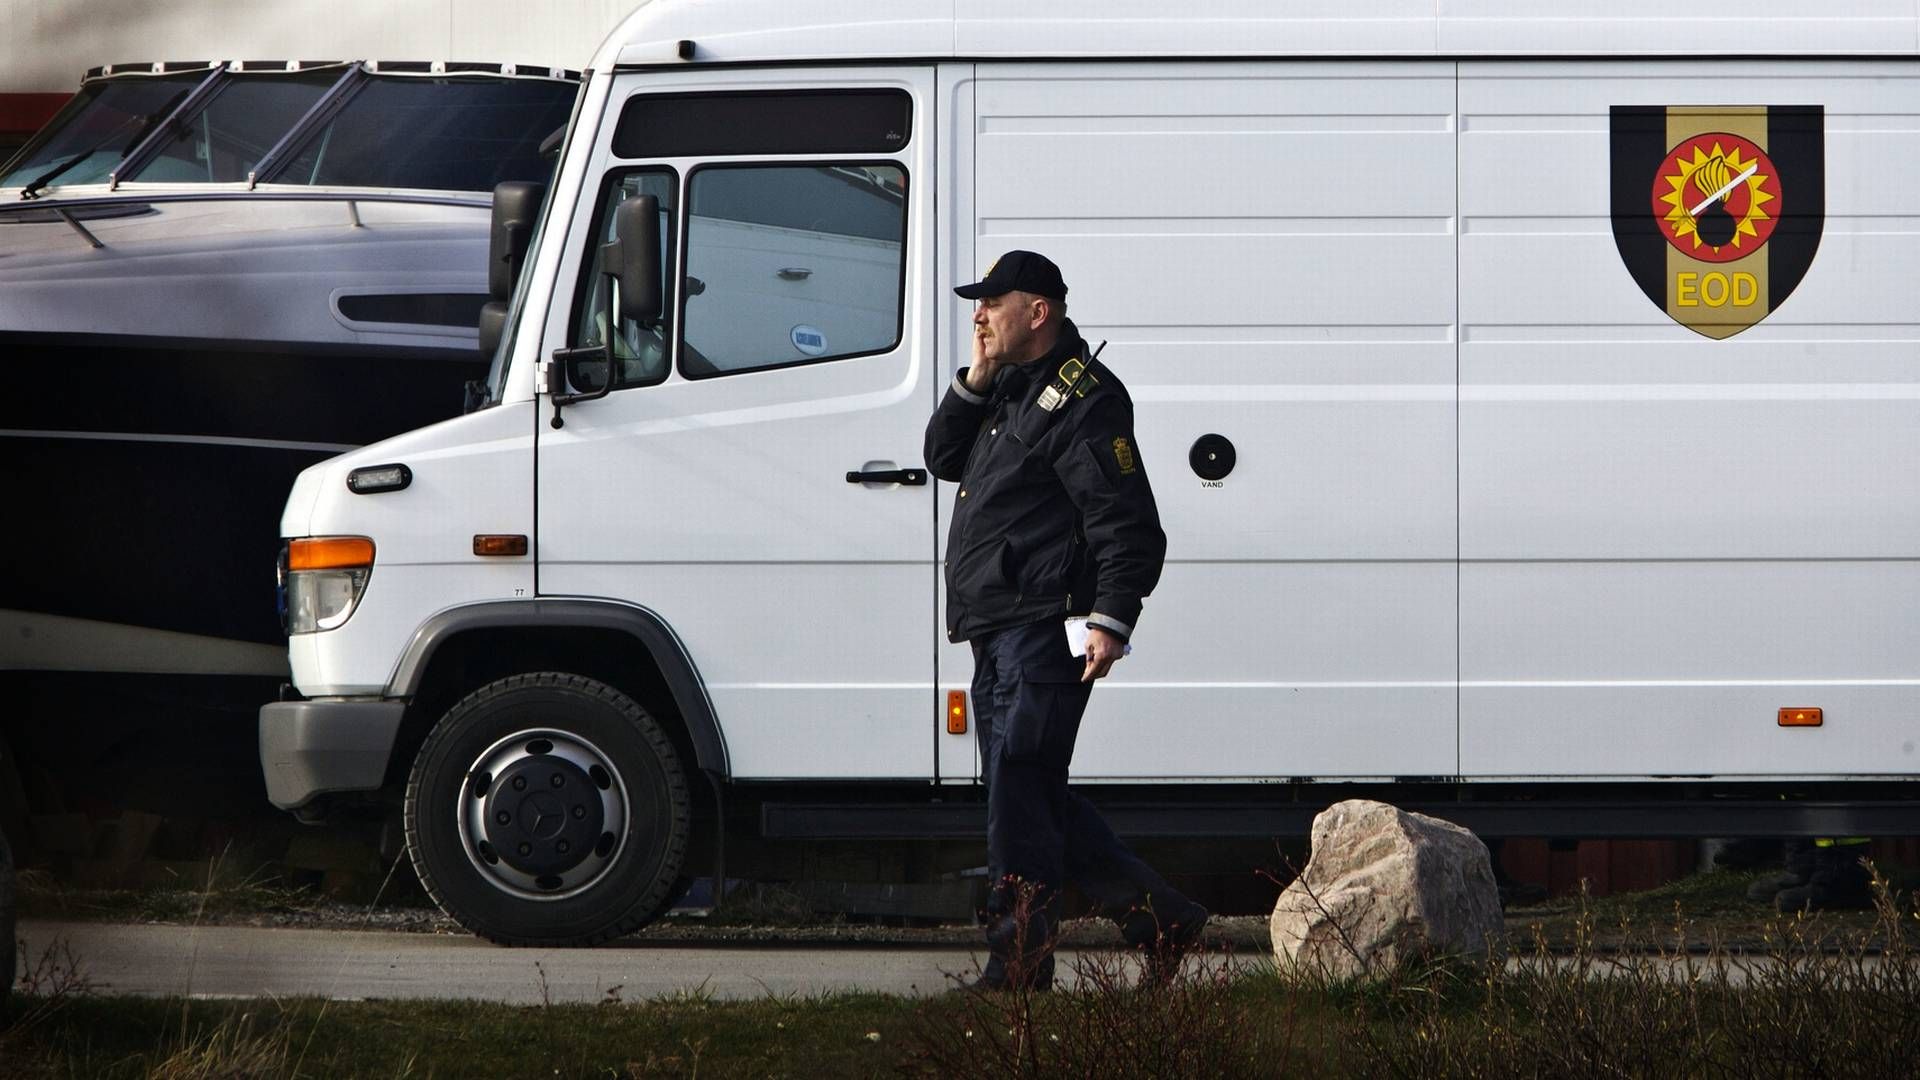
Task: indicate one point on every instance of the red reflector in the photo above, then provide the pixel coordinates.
(1800, 718)
(956, 712)
(484, 544)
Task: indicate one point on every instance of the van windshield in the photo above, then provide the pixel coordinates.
(97, 128)
(449, 134)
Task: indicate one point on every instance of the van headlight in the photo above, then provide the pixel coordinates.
(324, 578)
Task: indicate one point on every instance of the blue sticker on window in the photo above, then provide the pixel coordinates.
(809, 340)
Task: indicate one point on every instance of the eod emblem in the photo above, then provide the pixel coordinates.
(1717, 209)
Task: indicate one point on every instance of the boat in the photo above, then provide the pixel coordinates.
(213, 275)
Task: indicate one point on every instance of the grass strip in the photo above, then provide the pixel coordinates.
(849, 1035)
(1812, 1000)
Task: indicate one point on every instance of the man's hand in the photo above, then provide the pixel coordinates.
(980, 373)
(1102, 650)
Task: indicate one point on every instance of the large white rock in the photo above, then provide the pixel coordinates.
(1383, 888)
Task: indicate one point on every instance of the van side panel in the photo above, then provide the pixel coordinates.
(1268, 249)
(1666, 538)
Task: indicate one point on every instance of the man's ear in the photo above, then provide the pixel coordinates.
(1042, 311)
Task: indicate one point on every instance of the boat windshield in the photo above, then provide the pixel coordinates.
(443, 133)
(97, 128)
(250, 114)
(368, 129)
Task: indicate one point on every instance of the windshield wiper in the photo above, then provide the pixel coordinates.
(149, 122)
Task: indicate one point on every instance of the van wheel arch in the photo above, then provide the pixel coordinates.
(625, 646)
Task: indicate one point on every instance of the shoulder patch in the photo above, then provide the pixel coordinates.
(1123, 455)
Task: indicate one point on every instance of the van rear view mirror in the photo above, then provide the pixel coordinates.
(587, 370)
(516, 206)
(633, 258)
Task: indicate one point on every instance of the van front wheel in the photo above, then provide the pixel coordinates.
(548, 809)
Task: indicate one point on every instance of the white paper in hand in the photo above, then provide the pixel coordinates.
(1077, 637)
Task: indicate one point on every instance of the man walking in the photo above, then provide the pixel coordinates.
(1054, 533)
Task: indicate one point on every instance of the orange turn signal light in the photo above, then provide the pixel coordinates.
(506, 544)
(1800, 718)
(329, 553)
(956, 712)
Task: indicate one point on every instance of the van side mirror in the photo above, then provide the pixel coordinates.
(632, 260)
(587, 370)
(632, 257)
(516, 206)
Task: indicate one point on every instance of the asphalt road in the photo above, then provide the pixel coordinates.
(349, 965)
(230, 961)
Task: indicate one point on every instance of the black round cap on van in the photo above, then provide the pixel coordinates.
(1212, 457)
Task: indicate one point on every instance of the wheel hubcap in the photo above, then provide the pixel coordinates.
(541, 814)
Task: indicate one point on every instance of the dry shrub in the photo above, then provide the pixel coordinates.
(55, 977)
(1809, 1004)
(1108, 1026)
(230, 1050)
(1128, 1016)
(51, 982)
(1814, 1005)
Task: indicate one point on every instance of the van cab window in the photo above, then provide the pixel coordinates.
(792, 264)
(640, 355)
(873, 121)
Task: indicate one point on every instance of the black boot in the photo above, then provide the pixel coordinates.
(1034, 974)
(1020, 947)
(1164, 937)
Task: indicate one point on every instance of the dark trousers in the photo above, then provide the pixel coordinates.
(1027, 701)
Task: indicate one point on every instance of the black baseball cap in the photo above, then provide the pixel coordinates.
(1018, 271)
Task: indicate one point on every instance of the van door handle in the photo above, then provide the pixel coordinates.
(910, 477)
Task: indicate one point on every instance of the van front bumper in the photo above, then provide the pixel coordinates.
(309, 748)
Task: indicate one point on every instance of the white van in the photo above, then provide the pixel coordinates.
(1531, 397)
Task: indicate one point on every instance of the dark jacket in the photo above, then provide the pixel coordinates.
(1054, 516)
